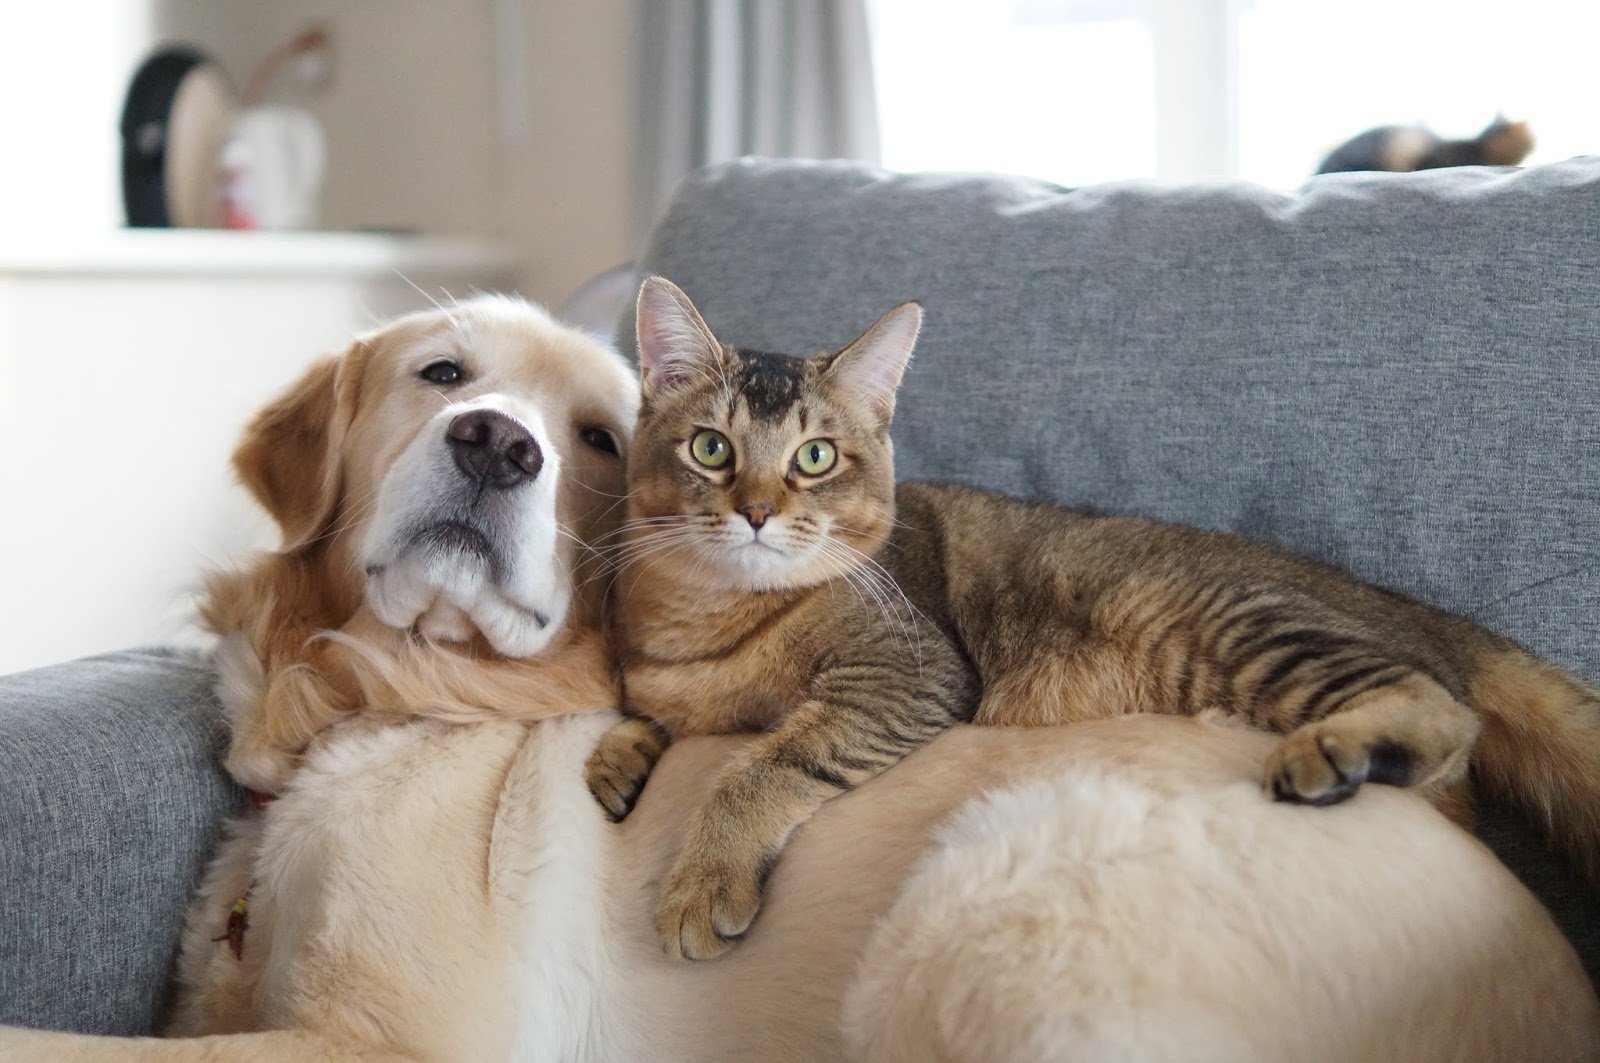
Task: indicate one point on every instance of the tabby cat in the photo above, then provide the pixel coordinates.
(775, 580)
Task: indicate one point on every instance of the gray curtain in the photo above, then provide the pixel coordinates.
(725, 78)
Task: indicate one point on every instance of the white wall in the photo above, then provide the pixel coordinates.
(63, 70)
(570, 183)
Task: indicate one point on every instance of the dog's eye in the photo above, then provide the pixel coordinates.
(443, 371)
(599, 439)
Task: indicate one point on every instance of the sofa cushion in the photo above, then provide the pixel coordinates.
(1396, 373)
(111, 798)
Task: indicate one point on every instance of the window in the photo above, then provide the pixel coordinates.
(1313, 73)
(1077, 91)
(1060, 91)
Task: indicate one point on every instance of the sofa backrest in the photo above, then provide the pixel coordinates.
(1396, 373)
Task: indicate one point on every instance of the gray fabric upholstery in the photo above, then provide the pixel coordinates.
(111, 797)
(1396, 373)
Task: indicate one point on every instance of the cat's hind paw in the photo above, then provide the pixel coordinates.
(1320, 765)
(621, 763)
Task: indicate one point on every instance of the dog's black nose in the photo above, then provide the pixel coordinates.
(491, 447)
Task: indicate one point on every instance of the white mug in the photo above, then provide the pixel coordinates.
(272, 169)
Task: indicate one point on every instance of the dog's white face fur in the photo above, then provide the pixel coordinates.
(449, 548)
(447, 557)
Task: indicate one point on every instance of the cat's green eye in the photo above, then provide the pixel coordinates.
(815, 457)
(711, 449)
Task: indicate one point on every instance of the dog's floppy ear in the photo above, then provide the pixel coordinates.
(289, 458)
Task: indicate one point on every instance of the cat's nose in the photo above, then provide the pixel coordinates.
(756, 513)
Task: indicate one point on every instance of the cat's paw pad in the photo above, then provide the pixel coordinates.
(1320, 764)
(621, 763)
(706, 908)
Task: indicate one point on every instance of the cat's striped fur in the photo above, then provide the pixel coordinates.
(852, 635)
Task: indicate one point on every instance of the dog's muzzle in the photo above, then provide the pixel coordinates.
(464, 536)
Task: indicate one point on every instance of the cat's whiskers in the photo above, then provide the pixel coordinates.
(870, 562)
(880, 576)
(634, 531)
(697, 565)
(645, 538)
(894, 521)
(584, 546)
(859, 569)
(590, 560)
(909, 633)
(861, 596)
(620, 500)
(592, 489)
(648, 545)
(867, 595)
(645, 546)
(871, 567)
(638, 524)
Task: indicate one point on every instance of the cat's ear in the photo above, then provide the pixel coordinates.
(873, 363)
(675, 346)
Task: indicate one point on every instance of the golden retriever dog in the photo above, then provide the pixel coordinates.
(437, 487)
(435, 882)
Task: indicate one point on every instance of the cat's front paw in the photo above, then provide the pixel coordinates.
(707, 907)
(1323, 763)
(621, 763)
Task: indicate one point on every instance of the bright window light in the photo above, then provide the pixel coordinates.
(1063, 91)
(1313, 73)
(1076, 91)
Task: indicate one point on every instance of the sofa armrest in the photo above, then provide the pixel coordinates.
(111, 797)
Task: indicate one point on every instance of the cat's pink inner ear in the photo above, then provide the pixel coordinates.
(873, 365)
(675, 346)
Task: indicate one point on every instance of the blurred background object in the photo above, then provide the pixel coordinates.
(1404, 149)
(272, 167)
(175, 121)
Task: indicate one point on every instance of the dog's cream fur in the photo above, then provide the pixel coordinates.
(1113, 890)
(1116, 890)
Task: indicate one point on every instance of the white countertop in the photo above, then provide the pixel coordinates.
(206, 252)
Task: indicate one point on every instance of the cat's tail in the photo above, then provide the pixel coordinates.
(1540, 747)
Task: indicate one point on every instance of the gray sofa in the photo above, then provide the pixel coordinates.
(1398, 374)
